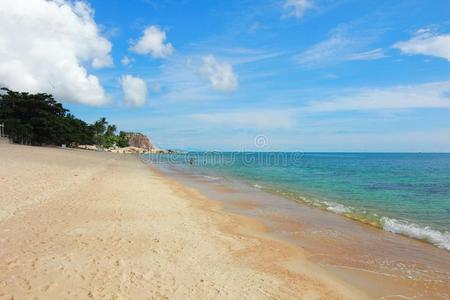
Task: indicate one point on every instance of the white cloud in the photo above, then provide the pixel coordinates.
(297, 8)
(346, 42)
(180, 81)
(427, 43)
(249, 119)
(427, 95)
(219, 73)
(326, 51)
(126, 60)
(152, 43)
(44, 46)
(368, 55)
(134, 90)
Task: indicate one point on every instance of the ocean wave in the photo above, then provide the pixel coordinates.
(437, 238)
(424, 233)
(337, 208)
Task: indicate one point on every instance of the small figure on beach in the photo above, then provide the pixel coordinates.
(191, 161)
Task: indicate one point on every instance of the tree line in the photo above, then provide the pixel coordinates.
(38, 119)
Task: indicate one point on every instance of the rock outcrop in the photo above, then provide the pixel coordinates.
(139, 140)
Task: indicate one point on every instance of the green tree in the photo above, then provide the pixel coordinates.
(99, 130)
(104, 133)
(31, 118)
(39, 119)
(110, 138)
(122, 140)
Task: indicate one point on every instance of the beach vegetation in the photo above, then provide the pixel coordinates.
(38, 119)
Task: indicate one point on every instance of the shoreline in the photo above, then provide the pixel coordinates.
(406, 229)
(437, 237)
(287, 258)
(399, 274)
(97, 225)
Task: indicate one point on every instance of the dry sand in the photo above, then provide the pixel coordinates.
(77, 224)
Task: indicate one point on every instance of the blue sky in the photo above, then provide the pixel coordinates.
(307, 75)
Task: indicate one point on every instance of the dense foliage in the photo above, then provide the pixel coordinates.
(104, 134)
(38, 119)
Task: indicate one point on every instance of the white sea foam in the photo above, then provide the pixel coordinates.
(212, 178)
(437, 238)
(257, 186)
(337, 208)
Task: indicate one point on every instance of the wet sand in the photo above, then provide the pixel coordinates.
(77, 224)
(384, 265)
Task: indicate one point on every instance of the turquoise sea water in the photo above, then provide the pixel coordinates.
(408, 194)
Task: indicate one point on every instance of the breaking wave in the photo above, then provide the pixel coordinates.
(435, 237)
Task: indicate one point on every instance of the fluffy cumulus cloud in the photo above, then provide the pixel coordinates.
(297, 8)
(153, 43)
(134, 90)
(427, 43)
(45, 46)
(219, 73)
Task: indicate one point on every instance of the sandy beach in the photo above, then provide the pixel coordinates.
(80, 224)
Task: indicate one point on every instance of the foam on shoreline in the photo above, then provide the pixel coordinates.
(435, 237)
(408, 229)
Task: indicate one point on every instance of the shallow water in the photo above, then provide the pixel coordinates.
(404, 193)
(383, 264)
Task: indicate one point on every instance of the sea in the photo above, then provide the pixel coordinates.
(402, 193)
